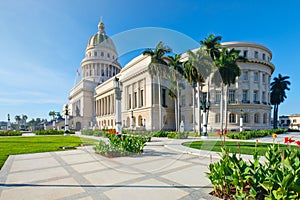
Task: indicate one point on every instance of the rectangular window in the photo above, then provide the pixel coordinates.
(142, 98)
(218, 97)
(263, 78)
(294, 121)
(256, 76)
(264, 97)
(164, 98)
(129, 101)
(245, 52)
(182, 100)
(255, 96)
(245, 96)
(256, 54)
(135, 100)
(231, 96)
(95, 53)
(245, 76)
(264, 56)
(204, 96)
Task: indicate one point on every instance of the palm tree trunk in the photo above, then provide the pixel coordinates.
(194, 109)
(176, 125)
(199, 109)
(275, 111)
(221, 110)
(226, 107)
(159, 102)
(178, 105)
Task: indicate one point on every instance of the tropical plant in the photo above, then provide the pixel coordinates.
(157, 67)
(278, 87)
(202, 65)
(24, 117)
(175, 76)
(18, 118)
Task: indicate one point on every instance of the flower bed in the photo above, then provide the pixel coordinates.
(277, 178)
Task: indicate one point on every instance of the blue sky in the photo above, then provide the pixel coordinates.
(43, 42)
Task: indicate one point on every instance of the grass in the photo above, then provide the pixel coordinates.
(245, 147)
(37, 144)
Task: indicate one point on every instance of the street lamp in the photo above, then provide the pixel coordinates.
(118, 93)
(131, 121)
(66, 111)
(204, 106)
(241, 120)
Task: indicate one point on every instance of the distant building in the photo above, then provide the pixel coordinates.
(290, 121)
(92, 100)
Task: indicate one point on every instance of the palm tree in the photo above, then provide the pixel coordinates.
(53, 115)
(212, 46)
(18, 118)
(24, 117)
(190, 73)
(278, 87)
(157, 68)
(203, 67)
(228, 70)
(175, 75)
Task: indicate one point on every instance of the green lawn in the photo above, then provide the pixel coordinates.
(245, 147)
(36, 144)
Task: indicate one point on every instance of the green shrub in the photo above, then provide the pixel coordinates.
(96, 133)
(160, 133)
(276, 178)
(52, 132)
(178, 135)
(254, 133)
(120, 146)
(10, 133)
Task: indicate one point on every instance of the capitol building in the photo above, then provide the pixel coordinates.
(92, 101)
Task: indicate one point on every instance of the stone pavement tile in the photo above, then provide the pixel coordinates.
(89, 167)
(110, 177)
(33, 163)
(146, 189)
(190, 176)
(80, 157)
(36, 175)
(32, 156)
(162, 165)
(57, 189)
(86, 198)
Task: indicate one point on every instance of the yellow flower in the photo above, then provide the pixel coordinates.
(274, 135)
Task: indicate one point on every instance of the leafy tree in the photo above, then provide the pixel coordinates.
(278, 87)
(157, 67)
(24, 117)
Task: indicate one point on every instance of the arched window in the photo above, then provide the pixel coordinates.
(265, 117)
(246, 118)
(232, 118)
(217, 118)
(256, 118)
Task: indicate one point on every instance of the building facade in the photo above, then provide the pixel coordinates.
(290, 121)
(92, 100)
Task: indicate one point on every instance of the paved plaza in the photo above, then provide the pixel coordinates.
(166, 170)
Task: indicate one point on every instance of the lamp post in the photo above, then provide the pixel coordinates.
(118, 94)
(66, 111)
(8, 122)
(241, 120)
(204, 106)
(131, 121)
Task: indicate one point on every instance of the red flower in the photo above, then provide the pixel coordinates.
(298, 143)
(218, 132)
(286, 140)
(291, 140)
(225, 132)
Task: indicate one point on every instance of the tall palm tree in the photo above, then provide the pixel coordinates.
(228, 70)
(190, 74)
(278, 87)
(175, 75)
(24, 117)
(157, 67)
(212, 45)
(53, 115)
(18, 118)
(203, 67)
